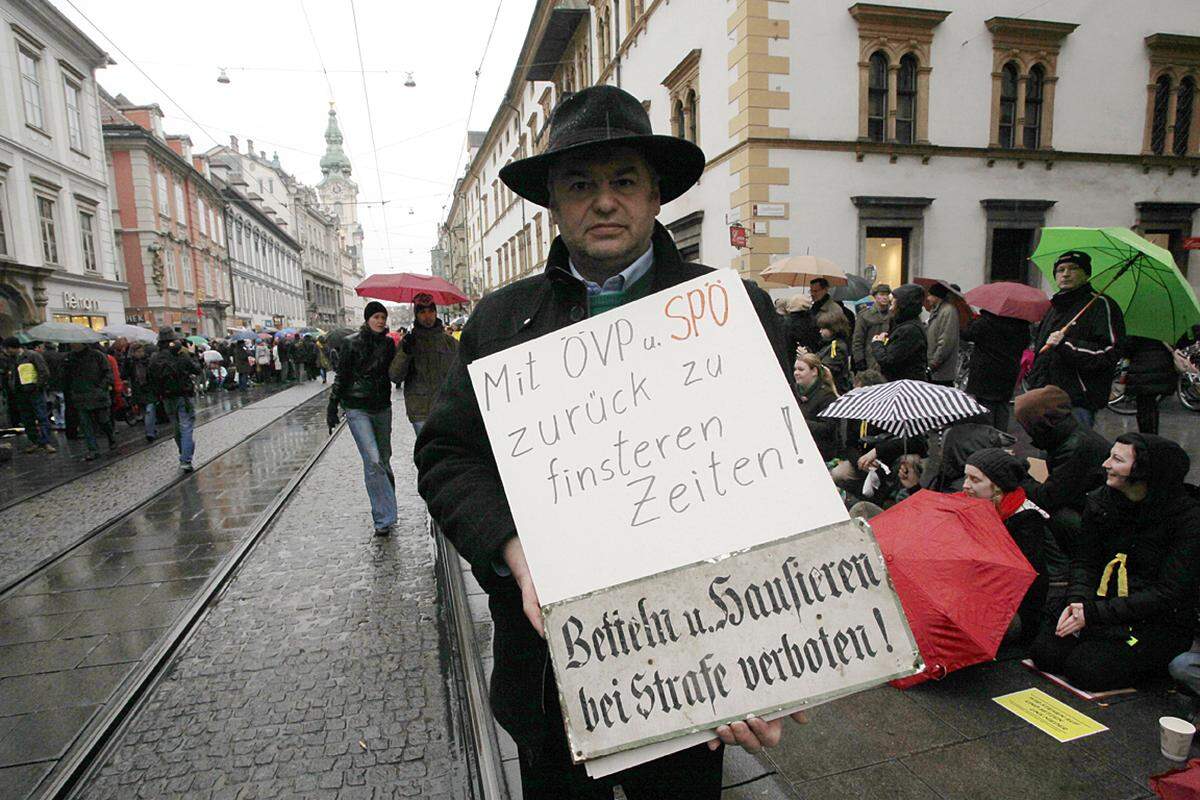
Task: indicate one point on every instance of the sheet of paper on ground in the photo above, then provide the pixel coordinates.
(1049, 715)
(657, 435)
(809, 617)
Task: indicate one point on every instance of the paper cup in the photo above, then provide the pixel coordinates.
(1175, 736)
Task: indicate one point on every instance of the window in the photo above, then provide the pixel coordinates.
(1034, 86)
(1184, 104)
(172, 276)
(88, 239)
(692, 115)
(185, 264)
(46, 224)
(3, 230)
(1008, 105)
(877, 98)
(906, 100)
(203, 217)
(31, 86)
(683, 86)
(74, 118)
(1162, 98)
(164, 202)
(179, 201)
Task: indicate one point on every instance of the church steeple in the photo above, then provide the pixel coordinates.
(335, 159)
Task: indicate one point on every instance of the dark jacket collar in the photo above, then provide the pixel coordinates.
(1065, 298)
(666, 271)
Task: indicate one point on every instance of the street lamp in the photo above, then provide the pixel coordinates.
(223, 77)
(409, 82)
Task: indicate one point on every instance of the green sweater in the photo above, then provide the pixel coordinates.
(599, 303)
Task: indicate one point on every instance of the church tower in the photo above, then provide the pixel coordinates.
(337, 192)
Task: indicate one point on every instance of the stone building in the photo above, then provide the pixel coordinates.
(169, 222)
(57, 259)
(318, 233)
(338, 194)
(926, 139)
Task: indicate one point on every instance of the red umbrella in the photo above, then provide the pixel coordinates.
(959, 575)
(1009, 299)
(965, 314)
(402, 287)
(1178, 784)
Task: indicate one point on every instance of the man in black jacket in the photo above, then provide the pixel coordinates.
(902, 352)
(1082, 353)
(995, 362)
(169, 380)
(603, 177)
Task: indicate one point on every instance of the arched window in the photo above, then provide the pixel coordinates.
(1035, 86)
(1008, 105)
(906, 100)
(677, 119)
(1158, 128)
(693, 109)
(1184, 103)
(877, 98)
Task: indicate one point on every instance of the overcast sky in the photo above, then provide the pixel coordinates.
(279, 97)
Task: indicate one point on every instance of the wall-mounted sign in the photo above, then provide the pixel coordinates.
(74, 302)
(134, 319)
(1191, 243)
(738, 236)
(770, 210)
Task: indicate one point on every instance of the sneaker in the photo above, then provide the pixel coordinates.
(49, 448)
(383, 532)
(187, 467)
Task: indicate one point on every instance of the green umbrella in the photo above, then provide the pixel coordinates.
(197, 340)
(1158, 303)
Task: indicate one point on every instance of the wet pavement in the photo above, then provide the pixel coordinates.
(320, 671)
(72, 633)
(29, 474)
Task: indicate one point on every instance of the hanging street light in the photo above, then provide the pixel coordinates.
(223, 77)
(409, 82)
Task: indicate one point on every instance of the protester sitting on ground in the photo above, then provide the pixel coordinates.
(995, 361)
(901, 351)
(872, 321)
(1131, 604)
(867, 444)
(815, 392)
(835, 346)
(995, 475)
(1075, 456)
(1151, 375)
(959, 441)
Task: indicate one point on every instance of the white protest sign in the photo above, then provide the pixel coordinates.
(649, 437)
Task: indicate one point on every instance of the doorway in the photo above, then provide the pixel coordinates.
(1011, 248)
(886, 251)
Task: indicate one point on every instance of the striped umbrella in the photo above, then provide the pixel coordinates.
(905, 408)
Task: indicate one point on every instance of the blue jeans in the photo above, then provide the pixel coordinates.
(1185, 668)
(185, 424)
(1086, 416)
(372, 432)
(34, 416)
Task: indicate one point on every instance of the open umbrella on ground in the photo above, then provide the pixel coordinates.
(965, 314)
(63, 333)
(402, 287)
(133, 333)
(196, 339)
(799, 270)
(959, 575)
(905, 407)
(857, 288)
(1140, 276)
(1010, 299)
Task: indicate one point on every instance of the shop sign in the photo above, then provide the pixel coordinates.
(74, 302)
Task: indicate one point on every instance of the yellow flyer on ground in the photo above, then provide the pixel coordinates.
(1049, 715)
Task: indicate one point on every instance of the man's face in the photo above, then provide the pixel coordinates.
(377, 322)
(1069, 276)
(12, 352)
(883, 301)
(931, 302)
(817, 290)
(604, 204)
(426, 316)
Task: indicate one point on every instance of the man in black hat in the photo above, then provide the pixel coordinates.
(1083, 346)
(603, 176)
(169, 380)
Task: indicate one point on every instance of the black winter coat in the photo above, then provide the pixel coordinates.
(1074, 458)
(1160, 539)
(824, 431)
(362, 376)
(905, 353)
(1151, 367)
(835, 355)
(169, 373)
(1083, 365)
(459, 480)
(996, 358)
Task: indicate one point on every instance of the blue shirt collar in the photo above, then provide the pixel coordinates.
(619, 283)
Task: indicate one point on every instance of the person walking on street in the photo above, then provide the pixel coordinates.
(423, 360)
(603, 176)
(29, 377)
(262, 361)
(902, 351)
(323, 363)
(56, 360)
(872, 321)
(138, 367)
(1082, 357)
(170, 381)
(995, 362)
(361, 388)
(277, 361)
(942, 334)
(241, 362)
(89, 392)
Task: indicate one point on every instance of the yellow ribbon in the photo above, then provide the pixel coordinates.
(1122, 577)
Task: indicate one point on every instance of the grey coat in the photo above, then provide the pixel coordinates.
(871, 322)
(942, 333)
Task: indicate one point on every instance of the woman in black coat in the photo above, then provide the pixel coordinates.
(815, 392)
(1151, 375)
(901, 352)
(1131, 602)
(835, 346)
(995, 362)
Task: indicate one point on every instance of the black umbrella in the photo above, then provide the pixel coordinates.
(337, 337)
(857, 287)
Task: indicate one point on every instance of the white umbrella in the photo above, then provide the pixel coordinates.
(799, 270)
(905, 407)
(64, 333)
(133, 333)
(210, 356)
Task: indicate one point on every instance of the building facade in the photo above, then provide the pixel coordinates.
(927, 139)
(338, 195)
(169, 222)
(57, 259)
(319, 236)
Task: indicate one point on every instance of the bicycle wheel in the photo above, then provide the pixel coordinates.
(1189, 392)
(1121, 403)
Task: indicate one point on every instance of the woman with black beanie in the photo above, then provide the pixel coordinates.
(363, 391)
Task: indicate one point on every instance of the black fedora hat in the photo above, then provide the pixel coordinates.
(605, 116)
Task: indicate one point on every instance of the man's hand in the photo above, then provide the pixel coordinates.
(1071, 620)
(1055, 339)
(868, 460)
(880, 337)
(514, 557)
(754, 734)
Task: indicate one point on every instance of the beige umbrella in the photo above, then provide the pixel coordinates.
(799, 270)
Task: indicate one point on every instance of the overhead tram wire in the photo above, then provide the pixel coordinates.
(320, 60)
(474, 90)
(370, 122)
(134, 64)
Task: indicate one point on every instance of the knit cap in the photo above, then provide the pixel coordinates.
(998, 466)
